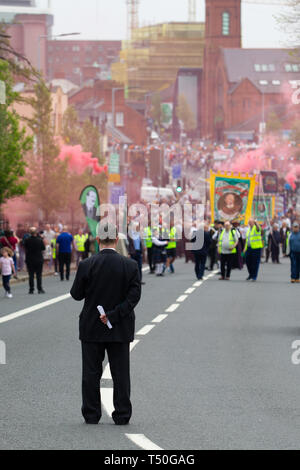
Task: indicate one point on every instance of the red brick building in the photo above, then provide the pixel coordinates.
(79, 60)
(28, 27)
(94, 100)
(240, 86)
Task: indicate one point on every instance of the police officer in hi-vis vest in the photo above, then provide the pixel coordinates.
(253, 248)
(149, 246)
(228, 239)
(79, 241)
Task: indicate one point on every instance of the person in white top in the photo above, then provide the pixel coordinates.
(7, 269)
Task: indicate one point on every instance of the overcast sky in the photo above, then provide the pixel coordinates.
(106, 19)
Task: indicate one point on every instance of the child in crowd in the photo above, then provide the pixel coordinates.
(7, 268)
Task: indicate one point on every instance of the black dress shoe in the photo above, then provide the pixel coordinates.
(92, 422)
(30, 292)
(42, 291)
(121, 422)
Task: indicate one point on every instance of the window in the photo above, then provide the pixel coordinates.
(257, 68)
(100, 48)
(76, 70)
(263, 82)
(88, 59)
(88, 48)
(76, 48)
(50, 48)
(120, 119)
(275, 82)
(272, 67)
(225, 23)
(264, 67)
(288, 67)
(295, 68)
(109, 119)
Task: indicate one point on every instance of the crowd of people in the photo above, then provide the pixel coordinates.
(223, 245)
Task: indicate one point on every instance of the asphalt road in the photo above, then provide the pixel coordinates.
(216, 373)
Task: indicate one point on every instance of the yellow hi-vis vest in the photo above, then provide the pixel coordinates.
(255, 238)
(148, 237)
(53, 246)
(232, 241)
(172, 244)
(80, 241)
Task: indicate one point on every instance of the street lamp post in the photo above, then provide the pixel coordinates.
(46, 36)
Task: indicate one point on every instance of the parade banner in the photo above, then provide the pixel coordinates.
(269, 182)
(263, 208)
(90, 203)
(231, 197)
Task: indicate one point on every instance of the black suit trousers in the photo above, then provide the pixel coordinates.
(64, 259)
(35, 268)
(92, 358)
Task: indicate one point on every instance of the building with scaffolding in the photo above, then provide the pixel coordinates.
(150, 60)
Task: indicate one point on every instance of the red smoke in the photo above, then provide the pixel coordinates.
(79, 161)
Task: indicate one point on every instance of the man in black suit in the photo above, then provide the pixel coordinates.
(34, 248)
(112, 281)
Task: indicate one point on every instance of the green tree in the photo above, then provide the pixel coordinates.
(14, 144)
(290, 24)
(185, 114)
(91, 139)
(296, 137)
(71, 131)
(47, 173)
(273, 124)
(156, 111)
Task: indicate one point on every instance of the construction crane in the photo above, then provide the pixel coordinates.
(192, 11)
(132, 16)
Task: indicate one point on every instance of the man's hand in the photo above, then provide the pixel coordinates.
(103, 318)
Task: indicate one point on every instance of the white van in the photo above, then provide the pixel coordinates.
(151, 193)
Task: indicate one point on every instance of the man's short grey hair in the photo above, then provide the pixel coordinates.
(107, 233)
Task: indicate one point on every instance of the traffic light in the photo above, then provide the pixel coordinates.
(179, 186)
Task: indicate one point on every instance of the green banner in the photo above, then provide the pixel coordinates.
(90, 203)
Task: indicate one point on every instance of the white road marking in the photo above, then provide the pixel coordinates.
(133, 344)
(34, 308)
(182, 298)
(106, 373)
(145, 269)
(159, 318)
(143, 442)
(190, 290)
(198, 284)
(145, 330)
(172, 308)
(107, 400)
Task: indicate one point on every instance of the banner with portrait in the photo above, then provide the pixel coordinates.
(269, 182)
(263, 208)
(231, 197)
(90, 203)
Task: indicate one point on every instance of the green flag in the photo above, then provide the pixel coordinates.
(90, 203)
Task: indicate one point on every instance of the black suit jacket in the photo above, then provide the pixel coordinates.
(34, 248)
(113, 281)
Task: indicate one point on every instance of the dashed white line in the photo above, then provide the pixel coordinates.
(133, 344)
(172, 308)
(198, 284)
(143, 442)
(182, 298)
(34, 308)
(145, 330)
(160, 318)
(190, 290)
